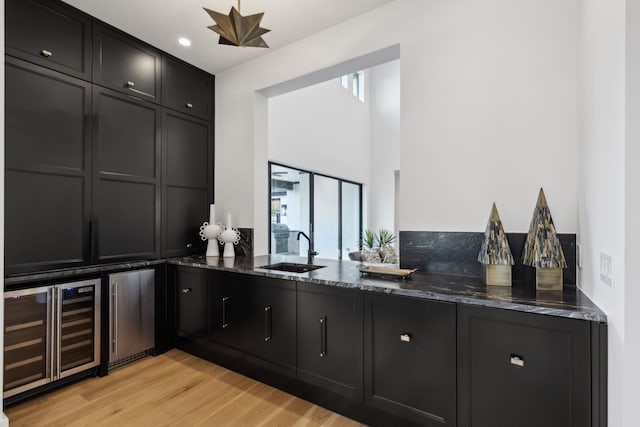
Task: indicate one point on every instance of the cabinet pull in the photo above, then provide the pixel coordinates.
(130, 84)
(46, 53)
(186, 290)
(225, 323)
(405, 337)
(517, 360)
(323, 336)
(189, 105)
(267, 323)
(115, 318)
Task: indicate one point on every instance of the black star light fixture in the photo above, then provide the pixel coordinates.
(237, 30)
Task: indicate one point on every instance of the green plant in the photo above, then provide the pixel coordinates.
(369, 240)
(385, 237)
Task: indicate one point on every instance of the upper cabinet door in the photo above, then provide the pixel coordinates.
(47, 169)
(186, 89)
(126, 65)
(49, 34)
(126, 184)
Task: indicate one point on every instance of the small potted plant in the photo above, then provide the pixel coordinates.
(388, 252)
(369, 251)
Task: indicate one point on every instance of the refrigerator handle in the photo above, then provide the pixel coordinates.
(58, 309)
(114, 326)
(50, 331)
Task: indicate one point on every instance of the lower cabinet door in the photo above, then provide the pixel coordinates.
(329, 338)
(256, 315)
(410, 358)
(522, 369)
(192, 305)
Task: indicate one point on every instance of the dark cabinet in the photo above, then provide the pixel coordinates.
(330, 338)
(126, 185)
(188, 182)
(255, 315)
(522, 369)
(192, 287)
(186, 89)
(47, 189)
(410, 358)
(126, 65)
(49, 34)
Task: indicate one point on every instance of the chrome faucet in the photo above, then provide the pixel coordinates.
(310, 252)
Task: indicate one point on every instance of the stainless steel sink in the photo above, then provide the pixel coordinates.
(292, 267)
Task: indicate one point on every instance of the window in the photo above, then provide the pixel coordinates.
(356, 82)
(358, 85)
(305, 201)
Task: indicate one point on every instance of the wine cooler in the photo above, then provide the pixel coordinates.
(50, 333)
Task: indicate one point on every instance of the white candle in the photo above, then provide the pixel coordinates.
(212, 214)
(228, 220)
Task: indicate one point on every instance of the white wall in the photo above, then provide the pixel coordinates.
(322, 128)
(384, 84)
(632, 242)
(602, 176)
(488, 110)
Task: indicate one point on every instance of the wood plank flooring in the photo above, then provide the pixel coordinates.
(173, 389)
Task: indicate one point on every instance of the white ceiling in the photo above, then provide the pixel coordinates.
(161, 23)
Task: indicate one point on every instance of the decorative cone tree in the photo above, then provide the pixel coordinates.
(495, 252)
(542, 248)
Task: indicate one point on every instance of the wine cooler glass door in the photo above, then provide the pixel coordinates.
(27, 339)
(78, 327)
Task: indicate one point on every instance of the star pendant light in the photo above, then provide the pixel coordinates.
(237, 30)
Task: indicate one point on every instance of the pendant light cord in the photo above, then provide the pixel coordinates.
(238, 5)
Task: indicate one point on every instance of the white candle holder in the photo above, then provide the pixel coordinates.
(211, 232)
(229, 237)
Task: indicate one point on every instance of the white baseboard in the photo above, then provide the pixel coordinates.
(4, 421)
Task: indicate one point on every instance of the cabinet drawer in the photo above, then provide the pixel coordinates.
(410, 350)
(126, 65)
(186, 89)
(522, 369)
(49, 34)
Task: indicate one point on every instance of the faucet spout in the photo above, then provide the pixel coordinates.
(310, 252)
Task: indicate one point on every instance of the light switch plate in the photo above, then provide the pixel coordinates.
(606, 268)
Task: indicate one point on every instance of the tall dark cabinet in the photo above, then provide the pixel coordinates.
(98, 167)
(126, 191)
(48, 168)
(187, 152)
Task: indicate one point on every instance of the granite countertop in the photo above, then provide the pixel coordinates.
(571, 302)
(71, 272)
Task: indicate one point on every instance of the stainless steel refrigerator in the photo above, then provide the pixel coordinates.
(131, 315)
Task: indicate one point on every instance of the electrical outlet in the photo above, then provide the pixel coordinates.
(606, 268)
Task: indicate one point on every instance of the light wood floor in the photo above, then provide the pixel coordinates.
(171, 389)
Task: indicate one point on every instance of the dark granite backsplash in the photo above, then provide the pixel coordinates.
(456, 253)
(244, 246)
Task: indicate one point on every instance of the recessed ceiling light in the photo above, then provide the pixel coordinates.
(184, 41)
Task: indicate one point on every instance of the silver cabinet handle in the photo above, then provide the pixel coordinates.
(115, 318)
(130, 84)
(46, 53)
(323, 336)
(225, 323)
(186, 290)
(517, 360)
(405, 337)
(189, 105)
(267, 323)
